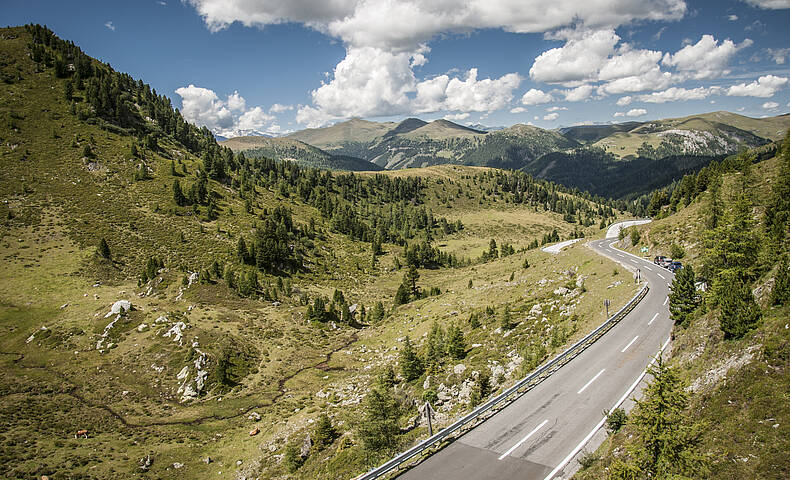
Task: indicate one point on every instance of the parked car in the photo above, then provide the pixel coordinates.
(675, 266)
(659, 259)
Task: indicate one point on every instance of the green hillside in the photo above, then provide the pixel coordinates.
(199, 311)
(296, 151)
(729, 410)
(618, 160)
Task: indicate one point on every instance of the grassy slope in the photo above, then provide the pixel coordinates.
(626, 143)
(55, 207)
(296, 151)
(739, 390)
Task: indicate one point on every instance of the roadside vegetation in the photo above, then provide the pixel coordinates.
(717, 407)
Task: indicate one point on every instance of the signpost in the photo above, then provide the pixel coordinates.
(427, 410)
(606, 304)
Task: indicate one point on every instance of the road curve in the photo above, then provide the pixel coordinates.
(557, 247)
(536, 436)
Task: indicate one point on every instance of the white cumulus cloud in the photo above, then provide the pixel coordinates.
(580, 59)
(556, 109)
(770, 4)
(623, 101)
(456, 117)
(228, 117)
(533, 96)
(706, 58)
(675, 94)
(636, 112)
(764, 86)
(518, 110)
(386, 39)
(770, 105)
(551, 116)
(578, 94)
(278, 108)
(778, 55)
(109, 25)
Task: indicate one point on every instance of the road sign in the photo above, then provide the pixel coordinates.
(644, 249)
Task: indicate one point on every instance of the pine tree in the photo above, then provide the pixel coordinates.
(324, 433)
(739, 311)
(481, 389)
(178, 194)
(292, 459)
(377, 314)
(506, 320)
(777, 212)
(410, 281)
(410, 364)
(436, 346)
(402, 295)
(780, 294)
(104, 249)
(683, 299)
(379, 427)
(666, 444)
(456, 346)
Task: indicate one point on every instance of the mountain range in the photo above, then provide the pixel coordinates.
(589, 157)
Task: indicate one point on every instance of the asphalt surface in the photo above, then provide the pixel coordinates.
(536, 436)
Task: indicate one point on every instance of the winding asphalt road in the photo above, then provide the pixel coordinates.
(538, 435)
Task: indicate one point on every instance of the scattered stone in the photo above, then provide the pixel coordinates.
(459, 369)
(64, 305)
(255, 431)
(207, 460)
(561, 291)
(146, 462)
(177, 465)
(306, 446)
(119, 307)
(176, 331)
(142, 327)
(238, 462)
(254, 416)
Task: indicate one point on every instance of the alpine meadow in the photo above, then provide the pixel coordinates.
(366, 280)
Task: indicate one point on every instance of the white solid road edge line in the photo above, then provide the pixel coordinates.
(632, 341)
(654, 317)
(591, 380)
(510, 450)
(600, 424)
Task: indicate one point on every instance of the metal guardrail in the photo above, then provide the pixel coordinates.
(484, 411)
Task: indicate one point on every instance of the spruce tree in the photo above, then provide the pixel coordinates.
(410, 364)
(780, 294)
(481, 389)
(410, 281)
(402, 295)
(178, 194)
(324, 433)
(456, 346)
(436, 347)
(292, 459)
(777, 212)
(505, 319)
(739, 311)
(379, 429)
(666, 443)
(683, 298)
(104, 249)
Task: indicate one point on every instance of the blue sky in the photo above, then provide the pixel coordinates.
(273, 66)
